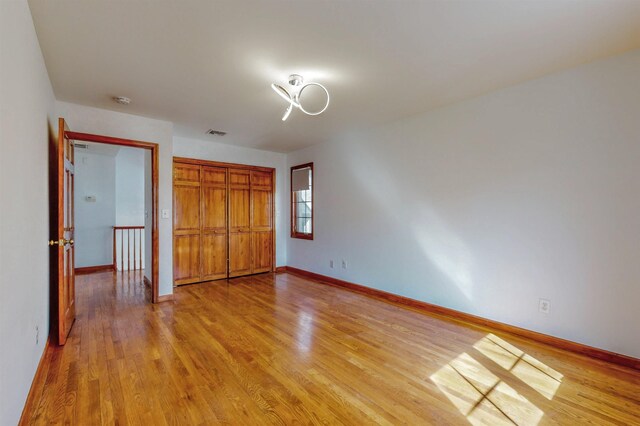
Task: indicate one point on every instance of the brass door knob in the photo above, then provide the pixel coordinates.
(60, 242)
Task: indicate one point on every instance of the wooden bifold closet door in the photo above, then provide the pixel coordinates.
(239, 223)
(222, 221)
(186, 223)
(261, 222)
(214, 223)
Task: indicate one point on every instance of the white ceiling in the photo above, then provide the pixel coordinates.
(209, 64)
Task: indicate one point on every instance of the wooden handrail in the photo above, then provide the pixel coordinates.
(137, 251)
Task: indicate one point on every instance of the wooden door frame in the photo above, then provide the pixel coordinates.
(153, 147)
(198, 162)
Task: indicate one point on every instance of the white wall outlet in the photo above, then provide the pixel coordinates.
(344, 264)
(37, 334)
(544, 306)
(165, 214)
(331, 264)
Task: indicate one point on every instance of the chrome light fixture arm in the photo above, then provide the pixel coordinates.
(294, 100)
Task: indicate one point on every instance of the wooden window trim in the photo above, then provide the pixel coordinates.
(295, 234)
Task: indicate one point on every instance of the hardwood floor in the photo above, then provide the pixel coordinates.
(282, 349)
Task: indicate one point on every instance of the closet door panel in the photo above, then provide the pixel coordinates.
(186, 207)
(239, 213)
(183, 173)
(215, 208)
(239, 177)
(239, 254)
(261, 221)
(214, 223)
(239, 222)
(214, 175)
(261, 203)
(262, 245)
(214, 256)
(261, 179)
(186, 255)
(186, 223)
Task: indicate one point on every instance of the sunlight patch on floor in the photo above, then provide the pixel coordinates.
(542, 378)
(304, 331)
(481, 396)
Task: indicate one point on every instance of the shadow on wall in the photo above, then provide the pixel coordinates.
(410, 230)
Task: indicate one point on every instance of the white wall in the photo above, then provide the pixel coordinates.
(487, 205)
(95, 175)
(26, 100)
(110, 123)
(117, 181)
(130, 186)
(208, 150)
(129, 205)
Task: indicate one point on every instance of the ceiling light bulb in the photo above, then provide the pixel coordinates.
(282, 92)
(287, 112)
(326, 105)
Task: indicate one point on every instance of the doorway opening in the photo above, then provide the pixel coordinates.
(124, 236)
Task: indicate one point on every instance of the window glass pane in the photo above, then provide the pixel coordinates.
(304, 210)
(301, 194)
(300, 225)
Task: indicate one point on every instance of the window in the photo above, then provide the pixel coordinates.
(302, 201)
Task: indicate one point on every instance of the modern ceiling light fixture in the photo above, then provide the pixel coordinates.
(296, 80)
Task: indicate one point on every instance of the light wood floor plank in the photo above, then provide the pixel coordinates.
(281, 349)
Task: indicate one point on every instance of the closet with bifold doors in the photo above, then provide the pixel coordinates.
(223, 224)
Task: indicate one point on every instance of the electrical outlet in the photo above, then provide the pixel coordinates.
(37, 334)
(331, 264)
(165, 214)
(544, 306)
(344, 264)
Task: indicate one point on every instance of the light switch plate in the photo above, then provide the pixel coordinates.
(165, 214)
(544, 306)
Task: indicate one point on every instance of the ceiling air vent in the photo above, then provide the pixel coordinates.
(216, 132)
(80, 145)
